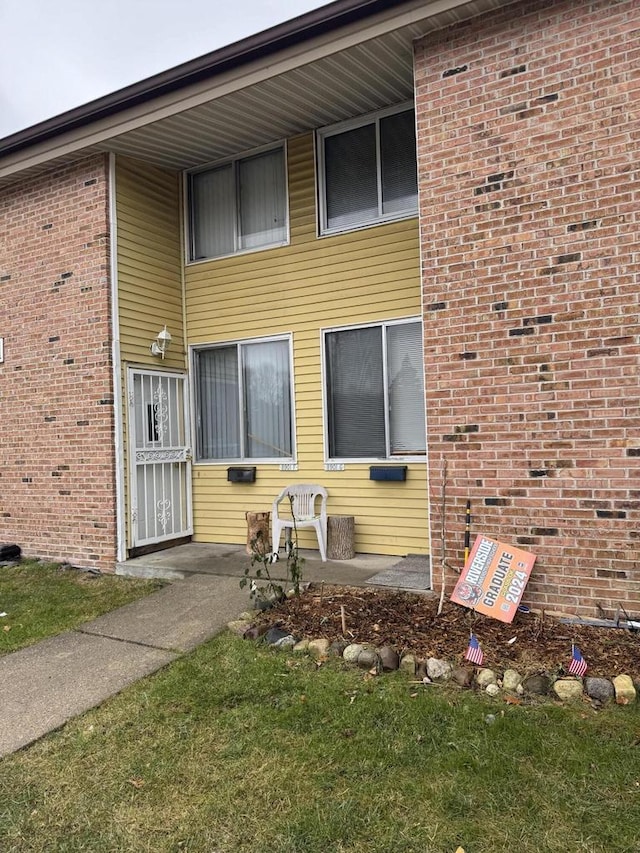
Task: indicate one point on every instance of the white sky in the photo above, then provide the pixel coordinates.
(58, 54)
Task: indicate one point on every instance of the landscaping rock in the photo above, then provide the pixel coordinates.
(486, 677)
(511, 680)
(408, 664)
(389, 658)
(274, 635)
(318, 648)
(624, 689)
(492, 689)
(463, 676)
(352, 652)
(337, 647)
(302, 646)
(265, 600)
(368, 659)
(249, 615)
(536, 685)
(239, 626)
(254, 632)
(287, 642)
(568, 689)
(438, 670)
(600, 689)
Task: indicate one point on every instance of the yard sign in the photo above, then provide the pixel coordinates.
(493, 579)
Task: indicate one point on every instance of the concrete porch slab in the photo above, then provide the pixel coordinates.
(231, 561)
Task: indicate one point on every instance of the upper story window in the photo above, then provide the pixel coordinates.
(368, 170)
(238, 206)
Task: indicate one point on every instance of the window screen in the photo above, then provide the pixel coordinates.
(375, 391)
(351, 177)
(238, 206)
(243, 401)
(369, 171)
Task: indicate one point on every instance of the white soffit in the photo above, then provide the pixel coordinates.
(355, 73)
(364, 78)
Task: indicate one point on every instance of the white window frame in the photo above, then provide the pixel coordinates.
(336, 129)
(195, 420)
(187, 217)
(388, 457)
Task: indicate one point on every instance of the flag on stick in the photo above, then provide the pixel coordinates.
(474, 652)
(578, 665)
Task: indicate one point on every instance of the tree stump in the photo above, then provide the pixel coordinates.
(340, 534)
(258, 538)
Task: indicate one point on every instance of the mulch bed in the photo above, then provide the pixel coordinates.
(409, 622)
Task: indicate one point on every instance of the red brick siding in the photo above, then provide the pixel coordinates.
(57, 492)
(528, 132)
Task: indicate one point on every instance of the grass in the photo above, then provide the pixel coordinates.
(235, 748)
(41, 600)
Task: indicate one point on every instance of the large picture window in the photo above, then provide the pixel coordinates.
(375, 391)
(243, 401)
(368, 171)
(238, 206)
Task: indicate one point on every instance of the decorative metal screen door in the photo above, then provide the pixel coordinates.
(160, 458)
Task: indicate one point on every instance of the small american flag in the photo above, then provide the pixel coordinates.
(578, 665)
(474, 652)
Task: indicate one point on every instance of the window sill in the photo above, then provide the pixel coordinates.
(216, 463)
(240, 253)
(347, 229)
(376, 460)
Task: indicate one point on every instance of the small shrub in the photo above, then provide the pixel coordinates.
(263, 589)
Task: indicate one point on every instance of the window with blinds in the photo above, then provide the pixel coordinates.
(243, 400)
(238, 206)
(375, 391)
(368, 170)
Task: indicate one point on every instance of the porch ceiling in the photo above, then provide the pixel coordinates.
(361, 79)
(309, 83)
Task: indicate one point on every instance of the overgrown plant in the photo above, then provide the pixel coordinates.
(263, 588)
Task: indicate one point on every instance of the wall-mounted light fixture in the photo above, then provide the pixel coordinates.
(161, 343)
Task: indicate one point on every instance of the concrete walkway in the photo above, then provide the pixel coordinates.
(43, 686)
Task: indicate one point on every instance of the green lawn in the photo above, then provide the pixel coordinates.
(236, 748)
(41, 600)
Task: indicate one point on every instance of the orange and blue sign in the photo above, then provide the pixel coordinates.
(494, 578)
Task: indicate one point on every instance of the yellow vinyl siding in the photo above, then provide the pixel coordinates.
(364, 276)
(149, 270)
(149, 261)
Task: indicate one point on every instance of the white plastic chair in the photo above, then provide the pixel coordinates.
(304, 497)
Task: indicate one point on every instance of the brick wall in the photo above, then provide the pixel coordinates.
(528, 126)
(57, 497)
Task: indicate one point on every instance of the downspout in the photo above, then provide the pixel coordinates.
(121, 544)
(187, 362)
(183, 261)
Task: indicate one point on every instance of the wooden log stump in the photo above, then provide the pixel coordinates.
(340, 536)
(258, 538)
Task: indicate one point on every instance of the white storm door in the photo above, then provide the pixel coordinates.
(160, 457)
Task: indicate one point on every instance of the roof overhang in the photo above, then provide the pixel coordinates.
(338, 61)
